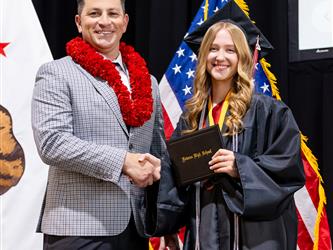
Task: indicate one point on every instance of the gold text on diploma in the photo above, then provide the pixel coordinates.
(197, 155)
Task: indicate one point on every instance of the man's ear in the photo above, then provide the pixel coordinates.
(78, 23)
(126, 19)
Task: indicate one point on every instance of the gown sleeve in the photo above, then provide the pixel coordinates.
(270, 166)
(165, 204)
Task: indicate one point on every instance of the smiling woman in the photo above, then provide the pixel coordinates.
(260, 154)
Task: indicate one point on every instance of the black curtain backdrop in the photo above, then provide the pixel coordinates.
(156, 29)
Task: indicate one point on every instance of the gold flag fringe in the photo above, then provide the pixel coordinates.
(242, 4)
(206, 10)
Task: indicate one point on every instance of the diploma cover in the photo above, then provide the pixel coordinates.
(191, 153)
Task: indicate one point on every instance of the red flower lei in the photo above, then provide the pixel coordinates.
(136, 109)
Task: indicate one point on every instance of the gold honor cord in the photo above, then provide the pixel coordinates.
(224, 109)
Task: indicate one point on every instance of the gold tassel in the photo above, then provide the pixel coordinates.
(264, 64)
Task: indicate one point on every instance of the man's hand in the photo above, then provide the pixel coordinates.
(140, 172)
(155, 162)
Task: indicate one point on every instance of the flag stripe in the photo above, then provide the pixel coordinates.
(304, 239)
(168, 128)
(169, 101)
(312, 182)
(306, 210)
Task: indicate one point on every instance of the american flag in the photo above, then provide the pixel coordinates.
(176, 88)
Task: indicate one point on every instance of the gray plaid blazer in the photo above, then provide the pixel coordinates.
(79, 132)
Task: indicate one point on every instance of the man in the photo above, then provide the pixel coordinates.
(97, 122)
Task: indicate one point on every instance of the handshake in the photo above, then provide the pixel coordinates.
(142, 169)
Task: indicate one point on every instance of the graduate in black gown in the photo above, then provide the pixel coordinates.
(249, 203)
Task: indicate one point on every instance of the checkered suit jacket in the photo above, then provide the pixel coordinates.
(79, 132)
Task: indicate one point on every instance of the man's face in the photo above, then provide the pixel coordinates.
(102, 24)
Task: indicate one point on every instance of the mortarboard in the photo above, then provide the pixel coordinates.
(232, 13)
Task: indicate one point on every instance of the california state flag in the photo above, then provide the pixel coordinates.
(23, 48)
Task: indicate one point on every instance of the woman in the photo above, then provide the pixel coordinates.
(249, 203)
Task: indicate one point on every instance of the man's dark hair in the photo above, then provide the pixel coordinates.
(80, 4)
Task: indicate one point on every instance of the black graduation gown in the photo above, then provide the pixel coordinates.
(270, 169)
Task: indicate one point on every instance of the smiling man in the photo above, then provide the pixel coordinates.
(102, 24)
(97, 122)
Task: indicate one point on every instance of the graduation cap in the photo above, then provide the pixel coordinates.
(230, 12)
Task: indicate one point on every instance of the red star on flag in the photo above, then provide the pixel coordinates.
(2, 46)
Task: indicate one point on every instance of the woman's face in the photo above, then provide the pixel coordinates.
(222, 59)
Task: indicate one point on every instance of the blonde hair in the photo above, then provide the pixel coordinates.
(241, 90)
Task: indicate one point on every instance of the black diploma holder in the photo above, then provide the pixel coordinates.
(191, 153)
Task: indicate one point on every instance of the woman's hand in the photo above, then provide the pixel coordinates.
(223, 161)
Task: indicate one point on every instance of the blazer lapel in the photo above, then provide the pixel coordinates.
(108, 94)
